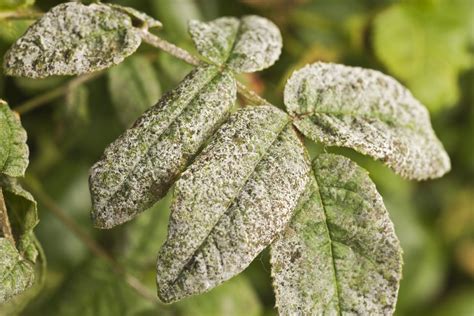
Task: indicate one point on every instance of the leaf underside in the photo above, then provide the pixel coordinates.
(369, 112)
(231, 202)
(13, 149)
(250, 44)
(138, 168)
(339, 254)
(72, 39)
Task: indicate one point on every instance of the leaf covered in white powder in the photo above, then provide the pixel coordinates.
(72, 39)
(13, 148)
(138, 168)
(230, 204)
(250, 44)
(368, 111)
(340, 254)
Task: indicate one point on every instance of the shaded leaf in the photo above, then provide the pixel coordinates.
(340, 254)
(250, 44)
(367, 111)
(73, 39)
(138, 168)
(75, 109)
(13, 149)
(231, 202)
(134, 87)
(16, 273)
(426, 44)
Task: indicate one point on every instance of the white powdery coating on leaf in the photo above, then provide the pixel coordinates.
(16, 273)
(369, 112)
(13, 148)
(250, 44)
(139, 167)
(340, 254)
(73, 39)
(214, 40)
(231, 202)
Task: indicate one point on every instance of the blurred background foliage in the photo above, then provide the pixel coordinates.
(426, 44)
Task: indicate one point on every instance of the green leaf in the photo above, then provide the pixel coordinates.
(139, 167)
(73, 39)
(75, 107)
(16, 273)
(340, 254)
(15, 4)
(250, 44)
(426, 44)
(238, 194)
(369, 112)
(11, 30)
(134, 87)
(13, 149)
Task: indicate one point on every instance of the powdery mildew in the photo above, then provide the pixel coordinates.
(17, 274)
(250, 44)
(138, 168)
(73, 38)
(340, 254)
(368, 111)
(231, 202)
(13, 148)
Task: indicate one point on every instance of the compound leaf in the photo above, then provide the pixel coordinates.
(13, 149)
(231, 202)
(250, 44)
(16, 273)
(368, 111)
(71, 39)
(138, 168)
(339, 254)
(134, 87)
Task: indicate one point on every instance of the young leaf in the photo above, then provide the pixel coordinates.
(231, 202)
(250, 44)
(139, 167)
(13, 149)
(134, 87)
(340, 254)
(370, 112)
(73, 39)
(16, 273)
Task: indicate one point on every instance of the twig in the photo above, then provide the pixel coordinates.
(55, 93)
(187, 57)
(5, 227)
(20, 15)
(90, 243)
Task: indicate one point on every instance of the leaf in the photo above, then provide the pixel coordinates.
(340, 254)
(11, 30)
(139, 167)
(75, 109)
(16, 273)
(238, 194)
(73, 39)
(15, 4)
(427, 46)
(134, 87)
(13, 149)
(250, 44)
(369, 112)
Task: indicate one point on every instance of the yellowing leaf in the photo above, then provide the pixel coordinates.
(339, 254)
(367, 111)
(231, 202)
(138, 168)
(426, 45)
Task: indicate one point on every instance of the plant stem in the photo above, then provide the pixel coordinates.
(55, 93)
(20, 15)
(90, 243)
(5, 227)
(187, 57)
